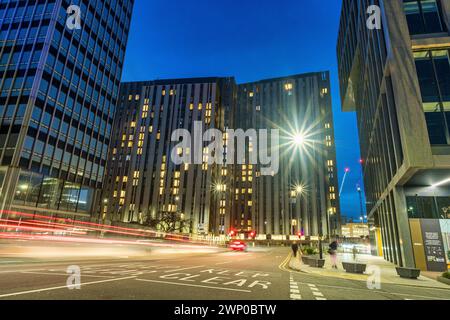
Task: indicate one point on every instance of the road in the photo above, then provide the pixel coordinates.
(176, 275)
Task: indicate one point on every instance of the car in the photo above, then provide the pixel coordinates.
(238, 246)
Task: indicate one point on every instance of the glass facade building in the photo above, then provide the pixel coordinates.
(397, 79)
(58, 91)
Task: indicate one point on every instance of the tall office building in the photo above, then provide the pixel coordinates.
(59, 84)
(303, 194)
(144, 183)
(397, 79)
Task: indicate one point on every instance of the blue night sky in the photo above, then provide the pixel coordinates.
(250, 40)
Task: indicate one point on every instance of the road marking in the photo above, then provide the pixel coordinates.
(315, 291)
(294, 291)
(193, 285)
(181, 269)
(63, 274)
(62, 287)
(318, 294)
(378, 291)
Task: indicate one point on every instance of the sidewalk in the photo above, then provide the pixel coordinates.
(388, 271)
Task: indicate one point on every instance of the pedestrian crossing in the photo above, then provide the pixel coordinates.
(294, 291)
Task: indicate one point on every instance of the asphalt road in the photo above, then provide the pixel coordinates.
(174, 275)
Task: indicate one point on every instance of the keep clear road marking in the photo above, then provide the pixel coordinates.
(181, 269)
(193, 285)
(62, 287)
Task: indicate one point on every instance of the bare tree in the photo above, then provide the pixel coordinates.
(168, 222)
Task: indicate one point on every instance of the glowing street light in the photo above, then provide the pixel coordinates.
(299, 139)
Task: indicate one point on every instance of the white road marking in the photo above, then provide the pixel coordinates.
(64, 274)
(294, 291)
(315, 291)
(61, 287)
(193, 285)
(318, 294)
(181, 269)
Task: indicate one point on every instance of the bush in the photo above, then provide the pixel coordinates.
(309, 251)
(446, 275)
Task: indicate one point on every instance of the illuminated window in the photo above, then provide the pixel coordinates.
(130, 97)
(288, 86)
(133, 124)
(251, 94)
(200, 106)
(191, 106)
(137, 97)
(330, 163)
(163, 92)
(125, 179)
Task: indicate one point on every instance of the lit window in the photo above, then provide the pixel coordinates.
(288, 86)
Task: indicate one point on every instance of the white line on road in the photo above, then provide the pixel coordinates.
(377, 291)
(64, 274)
(294, 291)
(315, 291)
(182, 269)
(62, 287)
(193, 285)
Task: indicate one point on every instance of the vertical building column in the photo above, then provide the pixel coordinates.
(404, 232)
(9, 188)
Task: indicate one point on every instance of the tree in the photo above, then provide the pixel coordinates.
(168, 222)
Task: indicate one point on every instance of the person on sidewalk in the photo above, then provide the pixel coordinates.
(333, 254)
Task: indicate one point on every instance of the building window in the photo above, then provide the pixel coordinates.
(423, 16)
(433, 71)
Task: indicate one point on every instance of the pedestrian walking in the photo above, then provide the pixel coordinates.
(295, 249)
(333, 253)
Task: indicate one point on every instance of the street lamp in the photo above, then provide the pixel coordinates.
(299, 139)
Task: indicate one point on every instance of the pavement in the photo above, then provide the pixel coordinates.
(182, 274)
(375, 266)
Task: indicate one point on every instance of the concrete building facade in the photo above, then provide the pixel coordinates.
(397, 79)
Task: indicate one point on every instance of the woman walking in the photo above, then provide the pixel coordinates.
(333, 254)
